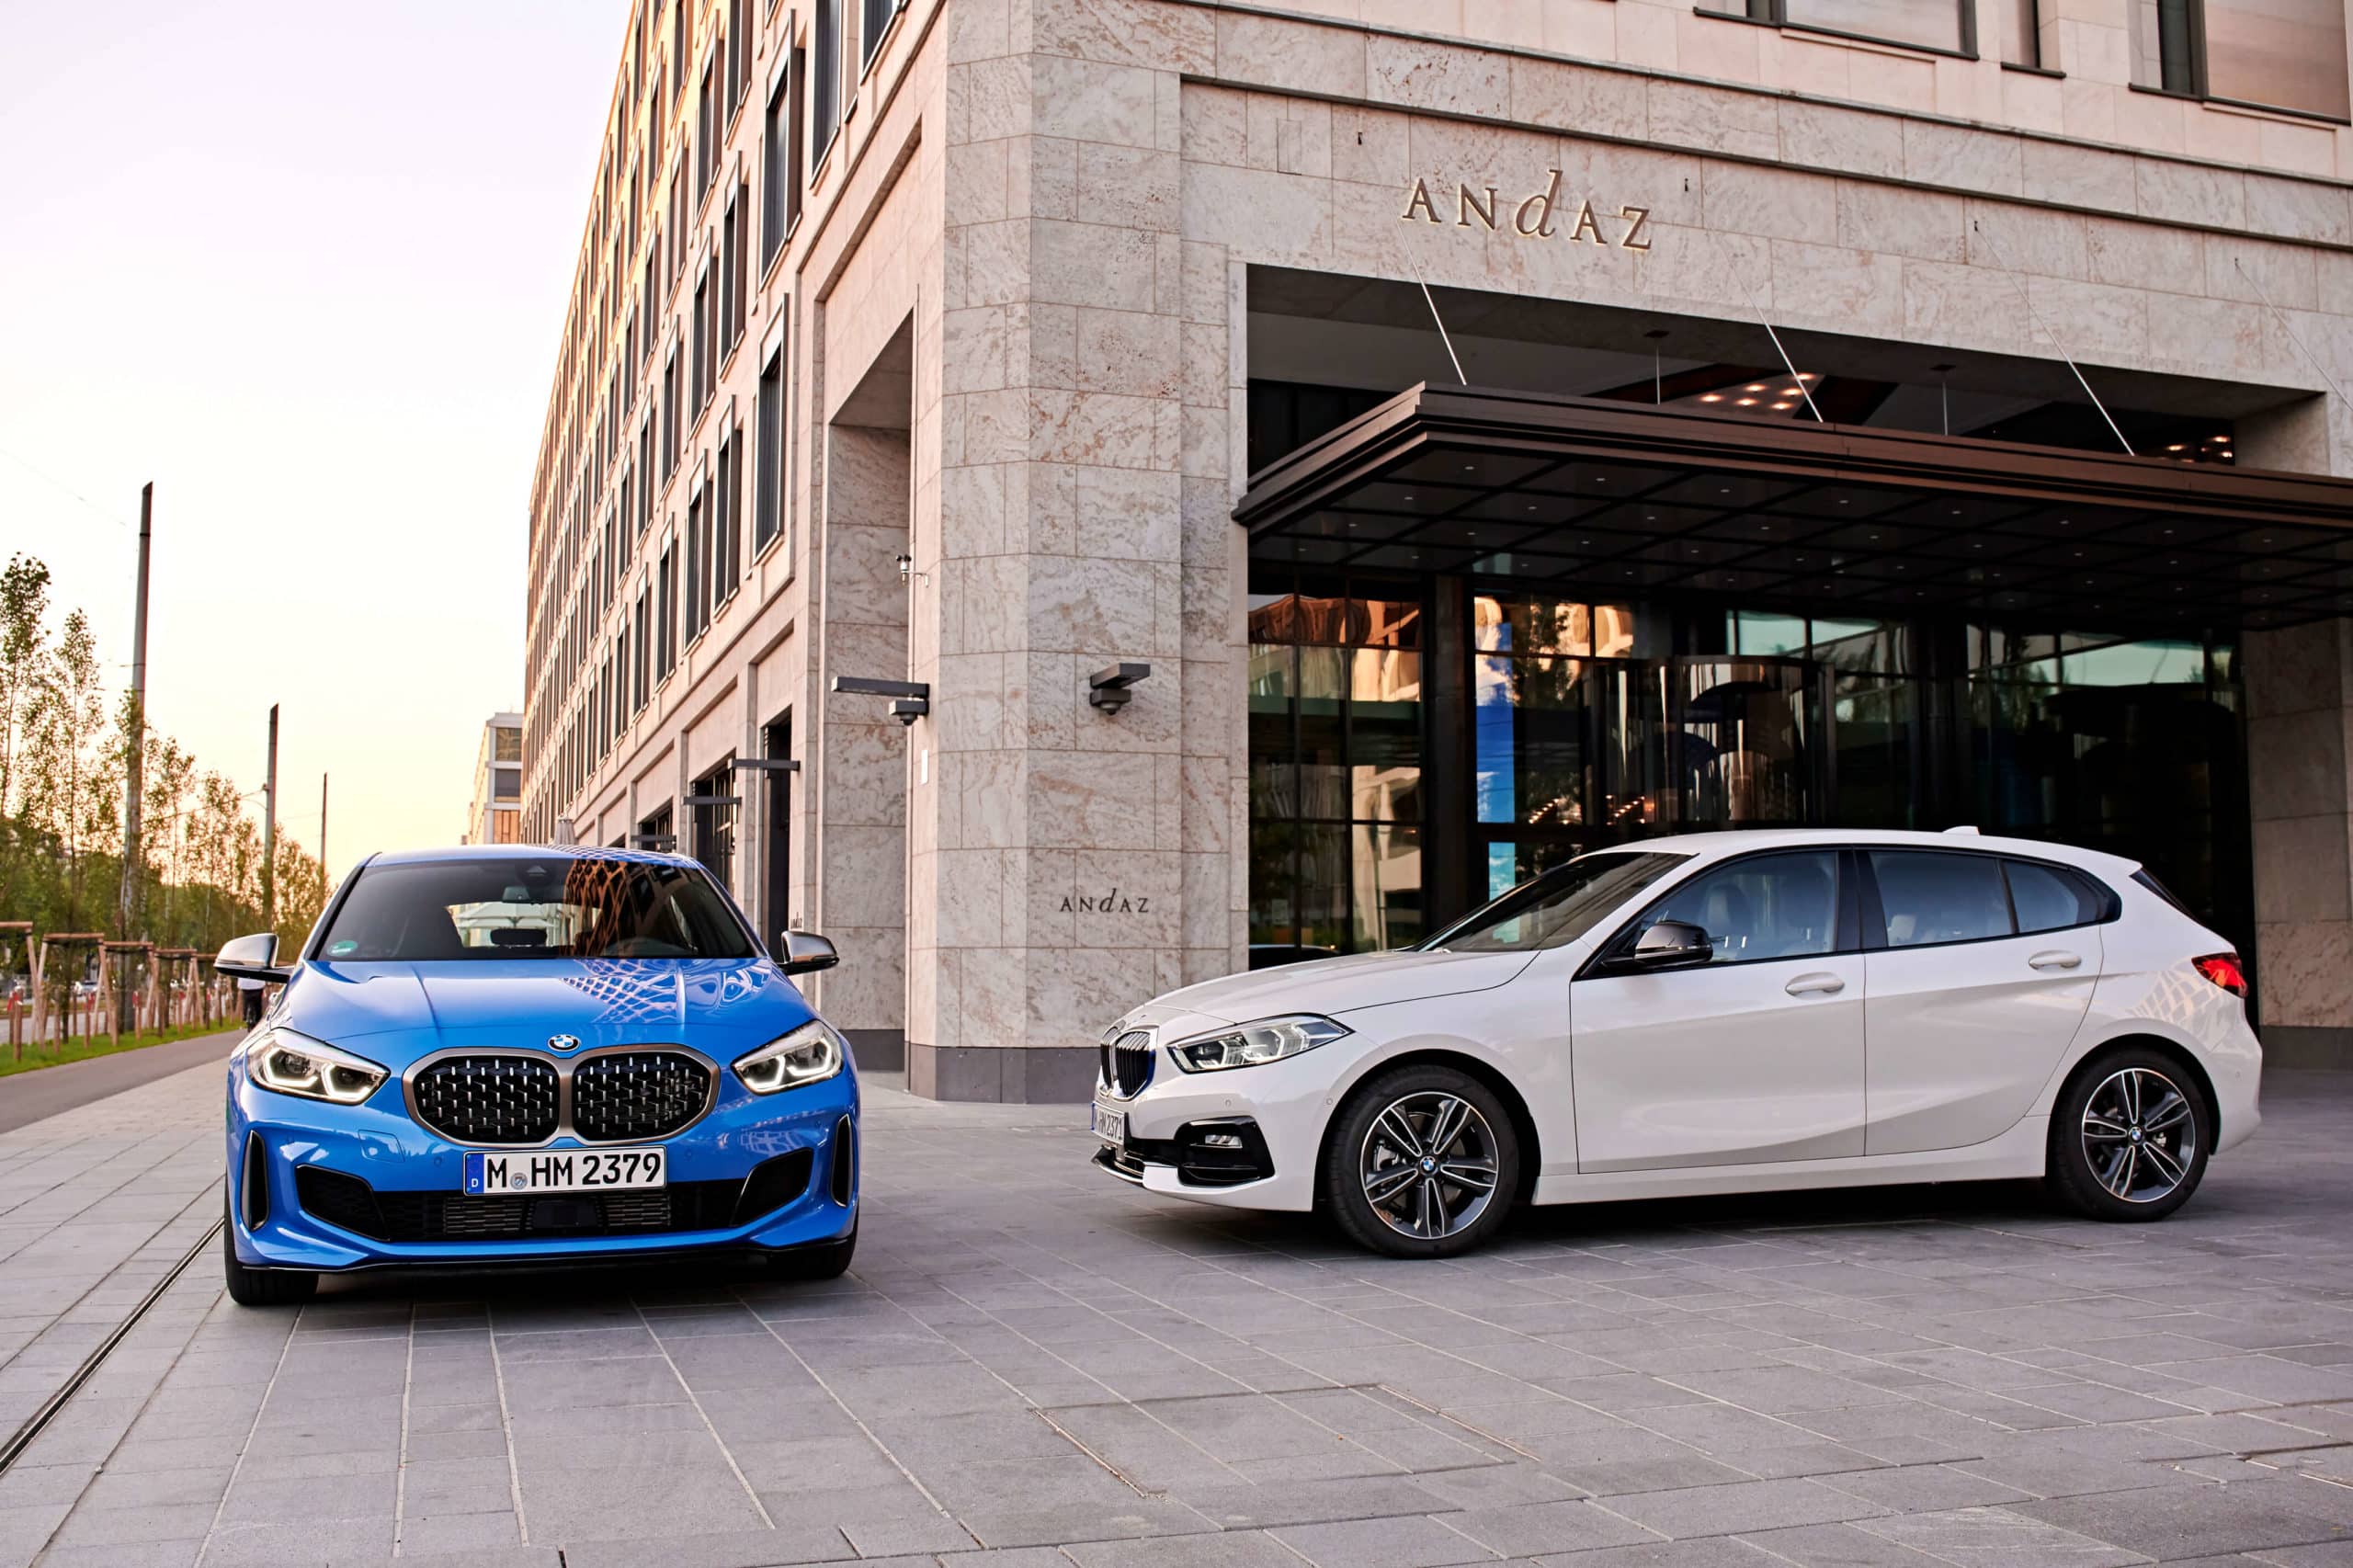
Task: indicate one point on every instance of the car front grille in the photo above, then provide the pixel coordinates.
(351, 1204)
(1127, 1062)
(637, 1094)
(489, 1100)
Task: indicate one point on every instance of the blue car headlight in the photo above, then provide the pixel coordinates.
(292, 1064)
(809, 1054)
(1247, 1045)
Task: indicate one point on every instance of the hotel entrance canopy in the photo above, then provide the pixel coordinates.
(1620, 499)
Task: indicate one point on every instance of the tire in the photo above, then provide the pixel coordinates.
(1382, 1136)
(260, 1287)
(2129, 1137)
(827, 1260)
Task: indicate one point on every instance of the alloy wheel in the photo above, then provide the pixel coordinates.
(1428, 1164)
(2139, 1135)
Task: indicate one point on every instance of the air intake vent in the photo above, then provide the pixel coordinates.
(256, 1185)
(845, 1182)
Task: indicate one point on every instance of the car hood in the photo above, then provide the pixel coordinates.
(1334, 986)
(720, 1006)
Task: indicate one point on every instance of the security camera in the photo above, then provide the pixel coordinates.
(1109, 687)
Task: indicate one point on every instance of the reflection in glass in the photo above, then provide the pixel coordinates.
(1323, 767)
(1529, 733)
(2289, 53)
(1877, 758)
(1386, 734)
(1737, 754)
(1385, 886)
(1932, 24)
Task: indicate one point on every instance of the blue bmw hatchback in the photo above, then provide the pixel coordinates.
(509, 1055)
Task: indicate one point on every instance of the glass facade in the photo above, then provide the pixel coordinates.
(1417, 747)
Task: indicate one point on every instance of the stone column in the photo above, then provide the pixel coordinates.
(2298, 686)
(1059, 879)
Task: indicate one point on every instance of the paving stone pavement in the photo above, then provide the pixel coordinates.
(1032, 1366)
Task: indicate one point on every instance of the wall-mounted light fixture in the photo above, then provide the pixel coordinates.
(911, 698)
(1109, 687)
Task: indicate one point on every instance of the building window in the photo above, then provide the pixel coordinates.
(768, 497)
(727, 523)
(796, 136)
(1942, 25)
(739, 50)
(708, 125)
(670, 415)
(775, 133)
(874, 23)
(739, 218)
(714, 823)
(638, 644)
(697, 565)
(825, 83)
(1335, 766)
(2287, 54)
(731, 298)
(701, 349)
(666, 609)
(2022, 33)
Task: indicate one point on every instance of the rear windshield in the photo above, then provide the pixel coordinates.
(1558, 906)
(535, 906)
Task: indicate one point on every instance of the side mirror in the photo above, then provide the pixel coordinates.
(804, 951)
(252, 957)
(1669, 945)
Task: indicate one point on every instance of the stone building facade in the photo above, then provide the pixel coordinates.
(1021, 279)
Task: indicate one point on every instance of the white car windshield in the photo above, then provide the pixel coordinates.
(1558, 906)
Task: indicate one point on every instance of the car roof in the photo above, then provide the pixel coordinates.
(1736, 841)
(523, 852)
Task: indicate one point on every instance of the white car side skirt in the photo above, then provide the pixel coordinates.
(2015, 1153)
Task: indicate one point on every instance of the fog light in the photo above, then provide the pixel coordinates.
(1222, 1140)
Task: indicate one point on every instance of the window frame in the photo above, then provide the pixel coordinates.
(2199, 90)
(1776, 13)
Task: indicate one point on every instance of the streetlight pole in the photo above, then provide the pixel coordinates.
(134, 782)
(270, 832)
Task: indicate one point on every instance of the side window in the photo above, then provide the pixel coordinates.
(1772, 906)
(2049, 899)
(1929, 898)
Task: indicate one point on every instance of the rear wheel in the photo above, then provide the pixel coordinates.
(259, 1287)
(2129, 1137)
(1422, 1163)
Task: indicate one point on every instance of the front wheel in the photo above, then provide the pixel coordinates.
(259, 1287)
(1422, 1163)
(2129, 1137)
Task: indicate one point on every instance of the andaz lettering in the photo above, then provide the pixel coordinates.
(1540, 216)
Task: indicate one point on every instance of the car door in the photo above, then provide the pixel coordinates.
(1757, 1055)
(1978, 971)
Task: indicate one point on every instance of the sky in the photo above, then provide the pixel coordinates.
(304, 266)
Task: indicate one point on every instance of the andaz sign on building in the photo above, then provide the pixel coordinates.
(1538, 217)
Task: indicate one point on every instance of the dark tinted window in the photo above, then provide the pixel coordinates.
(2048, 898)
(1558, 906)
(535, 906)
(2159, 888)
(1770, 906)
(1940, 898)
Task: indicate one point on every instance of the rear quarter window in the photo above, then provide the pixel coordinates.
(2051, 898)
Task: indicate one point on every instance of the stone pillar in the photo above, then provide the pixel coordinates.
(2299, 715)
(862, 840)
(1069, 539)
(2298, 686)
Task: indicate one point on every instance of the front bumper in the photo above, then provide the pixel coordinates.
(1277, 1111)
(296, 1199)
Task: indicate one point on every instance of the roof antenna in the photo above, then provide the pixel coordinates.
(2290, 329)
(1804, 390)
(2028, 295)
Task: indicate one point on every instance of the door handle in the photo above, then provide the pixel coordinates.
(2055, 959)
(1807, 985)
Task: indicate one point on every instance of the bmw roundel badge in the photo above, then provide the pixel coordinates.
(560, 1042)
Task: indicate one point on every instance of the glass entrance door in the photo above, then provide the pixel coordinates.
(1742, 748)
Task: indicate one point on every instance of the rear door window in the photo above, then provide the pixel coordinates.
(1926, 898)
(2048, 898)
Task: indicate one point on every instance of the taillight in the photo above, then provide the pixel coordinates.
(2223, 970)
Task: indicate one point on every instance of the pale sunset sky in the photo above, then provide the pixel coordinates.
(304, 266)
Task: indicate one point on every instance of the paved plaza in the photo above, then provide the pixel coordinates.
(1032, 1366)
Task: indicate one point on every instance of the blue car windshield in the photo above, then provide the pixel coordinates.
(532, 907)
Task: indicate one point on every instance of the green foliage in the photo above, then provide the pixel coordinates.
(64, 768)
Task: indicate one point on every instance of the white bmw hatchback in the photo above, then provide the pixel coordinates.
(1727, 1012)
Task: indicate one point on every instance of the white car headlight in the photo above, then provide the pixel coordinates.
(292, 1063)
(1247, 1045)
(812, 1052)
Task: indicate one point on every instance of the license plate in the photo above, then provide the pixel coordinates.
(1111, 1126)
(487, 1175)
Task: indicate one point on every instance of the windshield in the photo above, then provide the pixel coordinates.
(1558, 906)
(533, 906)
